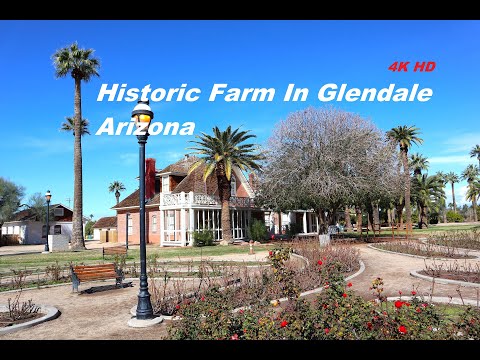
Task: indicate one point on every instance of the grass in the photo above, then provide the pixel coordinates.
(430, 229)
(35, 261)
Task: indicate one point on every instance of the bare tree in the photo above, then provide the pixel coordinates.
(325, 159)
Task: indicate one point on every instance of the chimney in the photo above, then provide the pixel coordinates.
(186, 157)
(149, 178)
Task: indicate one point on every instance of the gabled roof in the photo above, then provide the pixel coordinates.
(106, 222)
(29, 214)
(194, 182)
(180, 167)
(133, 199)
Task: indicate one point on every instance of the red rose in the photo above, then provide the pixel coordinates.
(414, 292)
(349, 284)
(327, 330)
(283, 324)
(177, 307)
(402, 329)
(399, 292)
(398, 304)
(419, 310)
(344, 295)
(270, 253)
(369, 325)
(234, 337)
(424, 305)
(241, 311)
(203, 298)
(319, 262)
(407, 304)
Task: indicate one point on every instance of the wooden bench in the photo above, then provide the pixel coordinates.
(82, 273)
(114, 250)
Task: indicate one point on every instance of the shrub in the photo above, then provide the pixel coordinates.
(203, 237)
(293, 230)
(454, 217)
(258, 230)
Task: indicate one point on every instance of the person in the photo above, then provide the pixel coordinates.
(337, 225)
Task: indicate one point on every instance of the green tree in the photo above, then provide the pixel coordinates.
(475, 152)
(471, 174)
(405, 136)
(427, 192)
(81, 66)
(452, 178)
(220, 153)
(473, 192)
(69, 126)
(116, 187)
(10, 197)
(38, 205)
(418, 163)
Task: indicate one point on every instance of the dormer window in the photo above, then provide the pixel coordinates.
(233, 183)
(165, 184)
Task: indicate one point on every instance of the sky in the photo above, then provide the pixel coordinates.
(197, 54)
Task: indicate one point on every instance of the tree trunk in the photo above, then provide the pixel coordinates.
(408, 209)
(77, 241)
(358, 212)
(225, 192)
(117, 195)
(423, 217)
(474, 205)
(400, 215)
(453, 199)
(376, 216)
(348, 223)
(322, 222)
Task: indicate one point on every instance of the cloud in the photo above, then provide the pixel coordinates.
(461, 143)
(451, 159)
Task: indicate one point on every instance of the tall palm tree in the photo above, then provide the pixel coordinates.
(473, 192)
(69, 126)
(418, 163)
(471, 174)
(220, 153)
(81, 66)
(116, 187)
(405, 136)
(452, 178)
(427, 191)
(475, 152)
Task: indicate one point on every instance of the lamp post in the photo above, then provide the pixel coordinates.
(48, 196)
(126, 230)
(142, 115)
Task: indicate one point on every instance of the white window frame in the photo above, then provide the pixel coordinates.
(154, 223)
(166, 184)
(130, 224)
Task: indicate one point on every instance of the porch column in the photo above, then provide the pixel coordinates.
(191, 224)
(183, 226)
(305, 222)
(161, 226)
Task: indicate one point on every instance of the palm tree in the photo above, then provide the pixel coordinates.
(428, 192)
(81, 66)
(475, 152)
(452, 178)
(69, 125)
(220, 153)
(471, 174)
(405, 136)
(418, 163)
(116, 187)
(473, 192)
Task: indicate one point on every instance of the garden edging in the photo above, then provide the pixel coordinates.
(415, 273)
(51, 313)
(371, 246)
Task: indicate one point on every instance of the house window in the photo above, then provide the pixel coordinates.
(57, 229)
(233, 183)
(130, 224)
(165, 184)
(154, 223)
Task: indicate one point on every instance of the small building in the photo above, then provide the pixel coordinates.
(105, 229)
(26, 227)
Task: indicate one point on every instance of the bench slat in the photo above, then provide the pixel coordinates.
(94, 272)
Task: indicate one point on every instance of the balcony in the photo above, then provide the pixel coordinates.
(191, 199)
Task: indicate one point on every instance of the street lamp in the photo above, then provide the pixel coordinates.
(142, 114)
(48, 196)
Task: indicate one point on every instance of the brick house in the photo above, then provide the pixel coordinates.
(183, 203)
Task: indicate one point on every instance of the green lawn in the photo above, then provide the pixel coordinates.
(40, 261)
(430, 229)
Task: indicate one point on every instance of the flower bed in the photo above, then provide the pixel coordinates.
(420, 249)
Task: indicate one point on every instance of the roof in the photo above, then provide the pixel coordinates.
(28, 214)
(194, 182)
(106, 222)
(180, 167)
(132, 200)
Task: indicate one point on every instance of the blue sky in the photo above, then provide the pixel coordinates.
(242, 54)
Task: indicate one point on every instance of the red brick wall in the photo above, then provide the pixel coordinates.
(134, 238)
